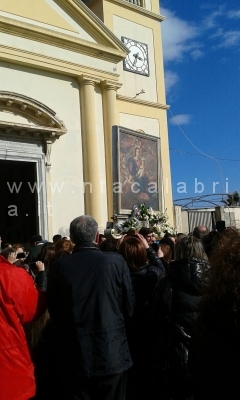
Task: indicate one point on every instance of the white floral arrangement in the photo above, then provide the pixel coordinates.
(147, 217)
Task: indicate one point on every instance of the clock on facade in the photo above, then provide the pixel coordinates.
(137, 60)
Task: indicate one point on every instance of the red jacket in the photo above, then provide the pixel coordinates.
(20, 302)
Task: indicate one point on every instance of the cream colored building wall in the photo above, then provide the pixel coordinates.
(126, 21)
(134, 83)
(115, 10)
(55, 52)
(69, 29)
(38, 10)
(155, 5)
(62, 95)
(135, 122)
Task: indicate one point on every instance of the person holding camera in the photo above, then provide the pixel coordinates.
(9, 254)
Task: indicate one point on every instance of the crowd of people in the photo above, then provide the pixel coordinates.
(87, 317)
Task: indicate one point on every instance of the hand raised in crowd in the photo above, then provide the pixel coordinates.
(40, 266)
(143, 240)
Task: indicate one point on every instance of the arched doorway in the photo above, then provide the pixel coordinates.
(27, 131)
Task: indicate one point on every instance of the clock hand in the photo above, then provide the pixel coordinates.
(136, 58)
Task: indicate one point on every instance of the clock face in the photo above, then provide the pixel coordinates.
(137, 60)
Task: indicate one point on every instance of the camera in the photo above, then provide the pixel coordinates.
(21, 255)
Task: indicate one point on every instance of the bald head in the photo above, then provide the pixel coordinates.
(200, 231)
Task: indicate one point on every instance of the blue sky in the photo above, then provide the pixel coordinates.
(201, 47)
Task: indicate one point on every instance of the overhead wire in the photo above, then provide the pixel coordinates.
(200, 151)
(200, 155)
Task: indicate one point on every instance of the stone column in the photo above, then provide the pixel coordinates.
(90, 148)
(110, 118)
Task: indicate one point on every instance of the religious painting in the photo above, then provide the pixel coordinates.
(136, 174)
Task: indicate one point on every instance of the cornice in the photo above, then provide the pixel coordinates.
(142, 102)
(110, 85)
(85, 16)
(43, 118)
(62, 40)
(136, 8)
(24, 57)
(88, 80)
(43, 123)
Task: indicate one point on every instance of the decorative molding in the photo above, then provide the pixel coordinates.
(136, 8)
(142, 102)
(24, 57)
(41, 115)
(64, 41)
(108, 46)
(48, 150)
(25, 129)
(110, 85)
(43, 122)
(84, 16)
(87, 80)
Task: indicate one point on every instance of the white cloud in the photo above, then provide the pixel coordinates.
(171, 78)
(180, 119)
(217, 34)
(183, 39)
(196, 54)
(178, 37)
(234, 14)
(211, 20)
(230, 39)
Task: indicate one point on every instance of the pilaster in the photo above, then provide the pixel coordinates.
(91, 186)
(110, 118)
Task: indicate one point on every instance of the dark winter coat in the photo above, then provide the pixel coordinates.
(156, 261)
(144, 281)
(214, 355)
(176, 302)
(140, 332)
(89, 294)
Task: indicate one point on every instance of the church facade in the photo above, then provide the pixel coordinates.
(72, 74)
